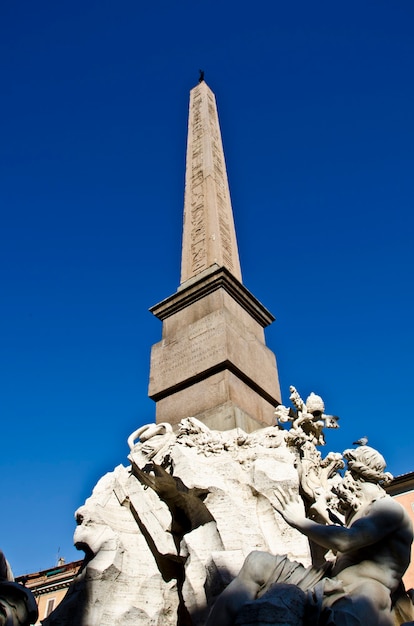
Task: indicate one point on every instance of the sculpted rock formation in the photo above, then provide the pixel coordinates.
(198, 509)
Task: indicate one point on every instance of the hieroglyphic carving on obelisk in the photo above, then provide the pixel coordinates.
(209, 236)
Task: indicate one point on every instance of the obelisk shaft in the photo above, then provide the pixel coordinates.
(209, 236)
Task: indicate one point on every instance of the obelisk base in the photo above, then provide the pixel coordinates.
(212, 362)
(221, 401)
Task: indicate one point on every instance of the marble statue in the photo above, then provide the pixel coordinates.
(194, 523)
(5, 569)
(17, 604)
(317, 476)
(372, 553)
(163, 537)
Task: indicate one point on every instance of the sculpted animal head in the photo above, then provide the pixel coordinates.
(93, 533)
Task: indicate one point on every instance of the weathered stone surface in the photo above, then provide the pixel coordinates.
(212, 362)
(165, 537)
(122, 584)
(197, 547)
(217, 336)
(196, 515)
(240, 491)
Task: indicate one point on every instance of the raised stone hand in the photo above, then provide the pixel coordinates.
(289, 505)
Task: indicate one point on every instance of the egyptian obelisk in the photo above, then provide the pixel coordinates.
(212, 362)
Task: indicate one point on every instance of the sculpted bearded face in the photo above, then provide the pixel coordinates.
(349, 494)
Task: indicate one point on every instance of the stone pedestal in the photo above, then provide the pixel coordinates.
(212, 362)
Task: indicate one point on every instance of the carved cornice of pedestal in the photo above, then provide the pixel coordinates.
(212, 280)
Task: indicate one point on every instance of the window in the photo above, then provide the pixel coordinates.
(50, 606)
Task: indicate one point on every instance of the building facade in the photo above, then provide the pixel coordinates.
(402, 489)
(49, 586)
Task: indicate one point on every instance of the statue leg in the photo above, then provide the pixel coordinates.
(369, 602)
(255, 573)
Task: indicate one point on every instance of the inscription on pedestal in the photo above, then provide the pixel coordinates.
(201, 348)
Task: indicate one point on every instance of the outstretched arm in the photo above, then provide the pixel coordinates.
(382, 520)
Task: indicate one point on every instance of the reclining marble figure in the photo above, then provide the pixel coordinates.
(372, 553)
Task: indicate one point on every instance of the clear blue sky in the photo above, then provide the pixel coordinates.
(316, 103)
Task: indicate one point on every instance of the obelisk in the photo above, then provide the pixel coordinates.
(212, 362)
(209, 236)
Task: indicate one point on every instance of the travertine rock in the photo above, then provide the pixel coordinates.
(122, 584)
(163, 538)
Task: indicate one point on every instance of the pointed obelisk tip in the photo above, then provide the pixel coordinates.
(201, 77)
(209, 236)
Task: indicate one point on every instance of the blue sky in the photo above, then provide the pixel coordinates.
(316, 106)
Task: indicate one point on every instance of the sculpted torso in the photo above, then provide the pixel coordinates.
(381, 540)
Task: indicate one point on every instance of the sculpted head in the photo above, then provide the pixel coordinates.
(367, 464)
(349, 493)
(93, 533)
(365, 469)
